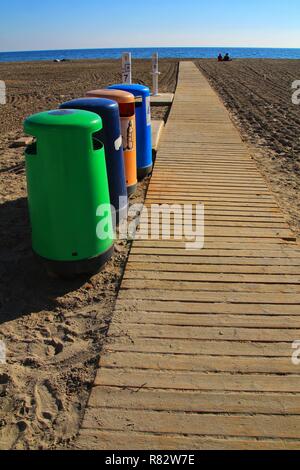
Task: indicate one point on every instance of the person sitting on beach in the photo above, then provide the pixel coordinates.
(227, 58)
(220, 58)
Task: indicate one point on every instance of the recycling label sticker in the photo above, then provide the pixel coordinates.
(148, 110)
(127, 126)
(118, 143)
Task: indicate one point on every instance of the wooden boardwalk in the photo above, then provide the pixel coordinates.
(199, 350)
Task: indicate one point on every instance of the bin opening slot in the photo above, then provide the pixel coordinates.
(97, 144)
(127, 109)
(31, 149)
(138, 101)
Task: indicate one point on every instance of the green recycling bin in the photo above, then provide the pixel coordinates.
(68, 195)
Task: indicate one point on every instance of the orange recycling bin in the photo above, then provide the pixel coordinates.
(126, 102)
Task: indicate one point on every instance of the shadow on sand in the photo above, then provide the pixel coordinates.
(24, 284)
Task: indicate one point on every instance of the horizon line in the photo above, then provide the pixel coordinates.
(148, 47)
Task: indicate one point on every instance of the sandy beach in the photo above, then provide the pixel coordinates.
(258, 94)
(54, 329)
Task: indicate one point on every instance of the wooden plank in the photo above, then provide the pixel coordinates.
(209, 246)
(214, 286)
(189, 401)
(224, 333)
(145, 232)
(205, 161)
(198, 354)
(220, 261)
(209, 297)
(202, 319)
(182, 380)
(220, 212)
(204, 192)
(215, 202)
(214, 196)
(210, 186)
(190, 178)
(182, 251)
(158, 265)
(202, 178)
(188, 233)
(213, 277)
(95, 439)
(195, 363)
(197, 178)
(196, 424)
(181, 306)
(213, 223)
(199, 348)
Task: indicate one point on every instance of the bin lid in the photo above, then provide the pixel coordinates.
(135, 88)
(101, 106)
(63, 118)
(117, 95)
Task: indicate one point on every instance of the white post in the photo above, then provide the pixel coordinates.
(126, 68)
(2, 92)
(155, 73)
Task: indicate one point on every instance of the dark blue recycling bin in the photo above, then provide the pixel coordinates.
(110, 135)
(143, 126)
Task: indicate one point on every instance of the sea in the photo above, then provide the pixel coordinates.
(146, 53)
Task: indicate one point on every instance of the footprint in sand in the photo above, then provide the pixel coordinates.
(55, 346)
(46, 403)
(8, 436)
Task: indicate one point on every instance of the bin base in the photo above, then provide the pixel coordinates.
(143, 172)
(131, 189)
(70, 269)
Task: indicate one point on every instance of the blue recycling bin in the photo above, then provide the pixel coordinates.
(143, 126)
(110, 135)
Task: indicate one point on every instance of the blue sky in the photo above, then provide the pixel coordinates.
(71, 24)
